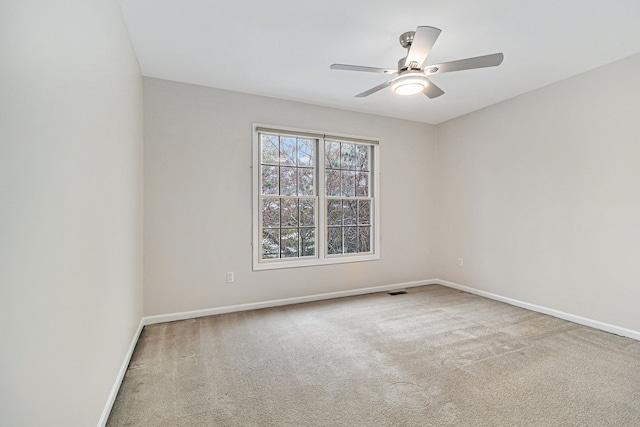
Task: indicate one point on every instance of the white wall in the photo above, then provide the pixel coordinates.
(540, 195)
(198, 199)
(70, 208)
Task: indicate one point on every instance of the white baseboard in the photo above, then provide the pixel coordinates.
(630, 333)
(170, 317)
(123, 369)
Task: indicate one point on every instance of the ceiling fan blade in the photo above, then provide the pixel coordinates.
(432, 91)
(361, 68)
(423, 41)
(373, 89)
(466, 64)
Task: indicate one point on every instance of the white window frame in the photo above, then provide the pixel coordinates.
(321, 257)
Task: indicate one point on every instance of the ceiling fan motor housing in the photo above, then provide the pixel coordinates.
(402, 64)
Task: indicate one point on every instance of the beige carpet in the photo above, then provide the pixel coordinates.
(432, 357)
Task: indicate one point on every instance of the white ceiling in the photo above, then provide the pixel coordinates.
(283, 48)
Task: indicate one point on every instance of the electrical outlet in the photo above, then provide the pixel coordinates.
(230, 277)
(460, 262)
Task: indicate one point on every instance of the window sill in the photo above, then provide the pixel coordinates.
(338, 259)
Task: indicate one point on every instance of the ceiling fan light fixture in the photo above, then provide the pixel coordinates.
(409, 84)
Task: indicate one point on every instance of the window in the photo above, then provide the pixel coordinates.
(348, 197)
(287, 196)
(315, 198)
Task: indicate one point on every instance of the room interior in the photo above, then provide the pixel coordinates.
(126, 184)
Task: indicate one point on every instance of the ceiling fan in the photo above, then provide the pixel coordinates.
(412, 72)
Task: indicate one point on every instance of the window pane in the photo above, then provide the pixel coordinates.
(289, 243)
(362, 157)
(364, 239)
(270, 149)
(270, 243)
(305, 152)
(271, 212)
(364, 212)
(334, 240)
(288, 152)
(350, 240)
(348, 156)
(288, 181)
(307, 241)
(305, 182)
(350, 208)
(348, 183)
(332, 185)
(332, 155)
(307, 213)
(362, 184)
(269, 180)
(334, 212)
(289, 212)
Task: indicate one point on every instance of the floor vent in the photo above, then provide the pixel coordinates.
(397, 293)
